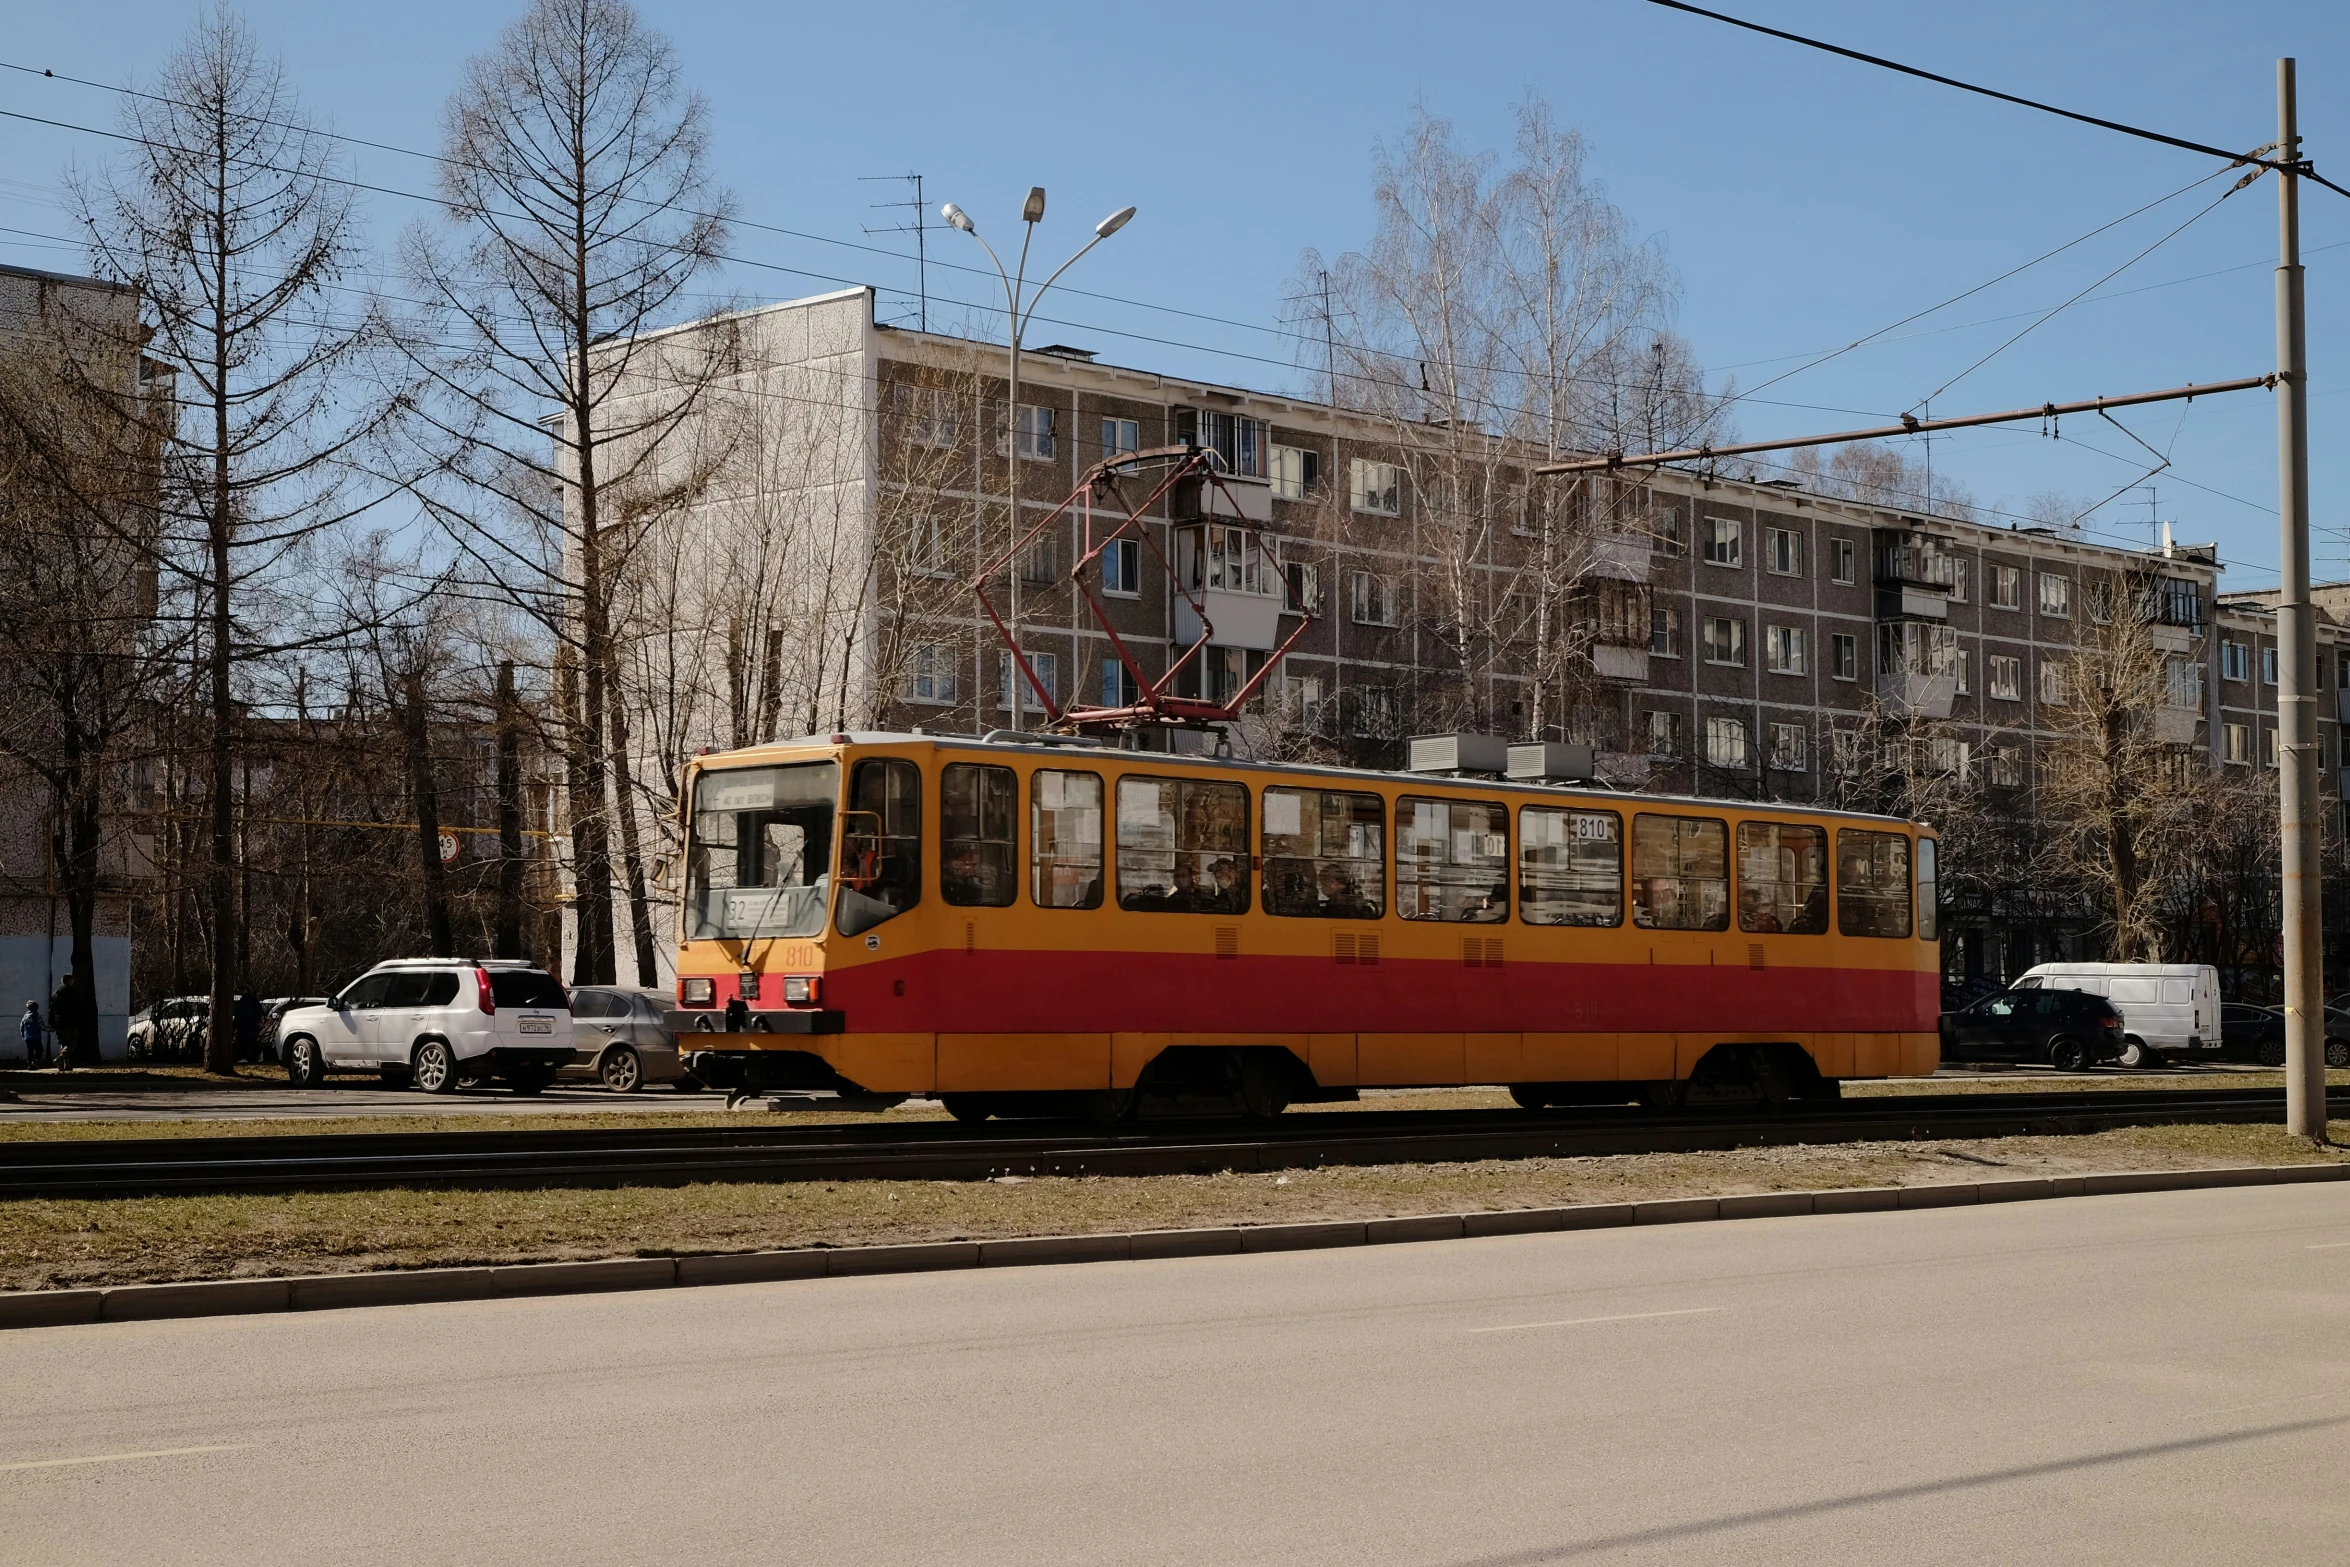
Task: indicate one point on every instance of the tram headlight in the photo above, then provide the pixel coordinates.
(699, 991)
(801, 989)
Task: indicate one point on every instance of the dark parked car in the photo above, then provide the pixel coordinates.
(2068, 1029)
(619, 1040)
(2258, 1034)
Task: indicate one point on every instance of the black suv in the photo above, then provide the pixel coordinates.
(2068, 1029)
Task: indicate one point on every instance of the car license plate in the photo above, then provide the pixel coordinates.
(538, 1025)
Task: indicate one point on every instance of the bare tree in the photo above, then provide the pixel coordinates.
(231, 215)
(2121, 782)
(579, 210)
(1495, 321)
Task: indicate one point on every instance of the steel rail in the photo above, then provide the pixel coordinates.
(943, 1151)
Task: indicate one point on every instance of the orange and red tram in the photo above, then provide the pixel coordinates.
(1050, 927)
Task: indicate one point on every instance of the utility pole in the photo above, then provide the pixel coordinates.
(2305, 1079)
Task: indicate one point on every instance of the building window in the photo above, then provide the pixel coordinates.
(1048, 675)
(2268, 747)
(1239, 444)
(2235, 661)
(930, 674)
(1665, 538)
(1120, 436)
(2268, 666)
(2321, 753)
(1119, 687)
(1035, 426)
(1040, 562)
(2052, 683)
(2007, 767)
(1963, 661)
(1950, 758)
(2101, 602)
(1374, 709)
(926, 548)
(1783, 552)
(1790, 748)
(1122, 568)
(1846, 559)
(1784, 651)
(2182, 684)
(1295, 471)
(2342, 674)
(1844, 655)
(1302, 696)
(1372, 599)
(1305, 586)
(1664, 733)
(1725, 541)
(2007, 587)
(2005, 677)
(1725, 742)
(1958, 576)
(2056, 595)
(1725, 641)
(1664, 631)
(2237, 743)
(1844, 752)
(1373, 487)
(928, 414)
(2181, 603)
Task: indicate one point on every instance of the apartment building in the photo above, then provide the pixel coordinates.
(1719, 634)
(93, 320)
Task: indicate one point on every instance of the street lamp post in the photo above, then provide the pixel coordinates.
(1018, 309)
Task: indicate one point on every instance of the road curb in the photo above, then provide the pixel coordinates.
(324, 1292)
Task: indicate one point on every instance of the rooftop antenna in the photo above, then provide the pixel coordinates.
(918, 228)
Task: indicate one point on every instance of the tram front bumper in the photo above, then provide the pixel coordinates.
(697, 1026)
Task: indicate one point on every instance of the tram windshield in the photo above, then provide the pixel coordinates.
(760, 860)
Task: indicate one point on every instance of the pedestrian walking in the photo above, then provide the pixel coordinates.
(34, 1036)
(63, 1011)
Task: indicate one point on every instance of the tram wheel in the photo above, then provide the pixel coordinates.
(1664, 1094)
(971, 1109)
(1529, 1096)
(1262, 1095)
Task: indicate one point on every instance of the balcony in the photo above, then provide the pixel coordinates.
(1620, 663)
(1914, 577)
(1917, 668)
(1620, 556)
(1230, 497)
(1249, 620)
(2176, 725)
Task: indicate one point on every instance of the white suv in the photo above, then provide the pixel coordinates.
(436, 1022)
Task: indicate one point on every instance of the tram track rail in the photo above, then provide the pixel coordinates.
(950, 1151)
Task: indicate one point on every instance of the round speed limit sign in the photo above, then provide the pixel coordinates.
(448, 848)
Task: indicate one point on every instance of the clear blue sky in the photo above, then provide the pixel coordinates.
(1805, 200)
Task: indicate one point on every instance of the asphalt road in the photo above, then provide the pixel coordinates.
(2146, 1379)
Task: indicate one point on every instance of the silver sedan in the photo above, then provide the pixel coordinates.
(618, 1040)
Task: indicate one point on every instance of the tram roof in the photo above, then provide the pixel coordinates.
(1064, 749)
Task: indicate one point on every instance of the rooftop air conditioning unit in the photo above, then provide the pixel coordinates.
(1485, 754)
(1551, 761)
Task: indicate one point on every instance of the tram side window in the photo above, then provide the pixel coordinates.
(1927, 891)
(1182, 846)
(978, 818)
(1782, 878)
(1872, 883)
(881, 845)
(1065, 838)
(1680, 873)
(1325, 854)
(1570, 867)
(1452, 860)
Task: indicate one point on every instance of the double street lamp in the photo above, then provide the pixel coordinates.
(1019, 308)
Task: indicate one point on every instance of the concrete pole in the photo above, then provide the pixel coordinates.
(2298, 809)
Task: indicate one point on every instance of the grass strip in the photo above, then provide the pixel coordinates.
(51, 1243)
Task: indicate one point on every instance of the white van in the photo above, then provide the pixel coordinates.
(2164, 1006)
